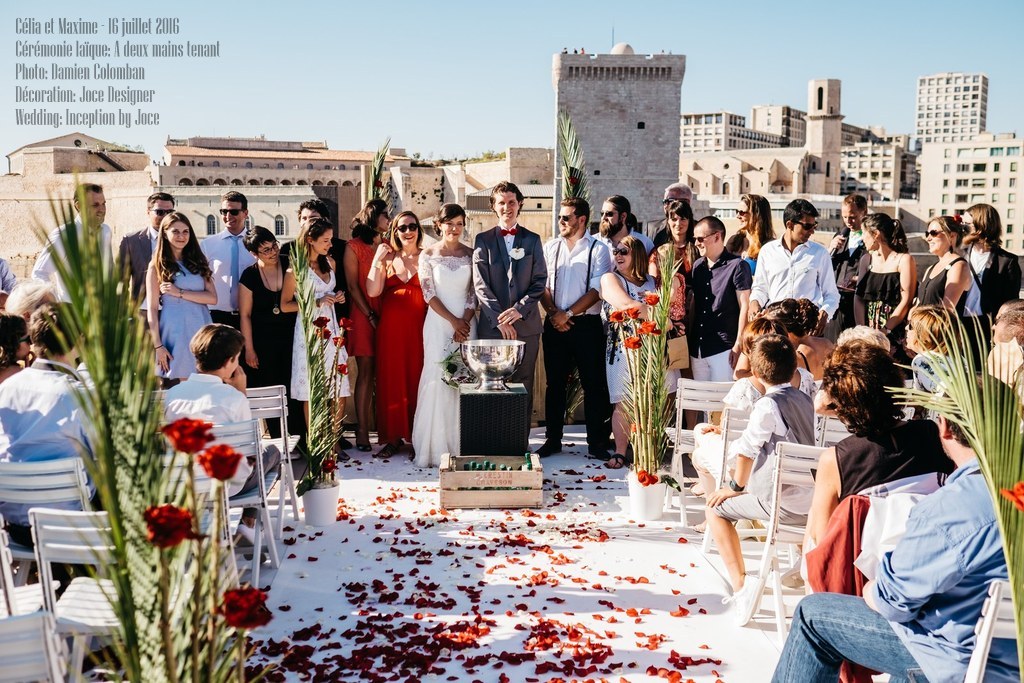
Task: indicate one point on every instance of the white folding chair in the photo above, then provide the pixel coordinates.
(15, 599)
(734, 421)
(831, 431)
(244, 437)
(85, 608)
(996, 622)
(271, 403)
(794, 466)
(30, 650)
(697, 396)
(59, 484)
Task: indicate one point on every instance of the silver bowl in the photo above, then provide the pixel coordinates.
(492, 360)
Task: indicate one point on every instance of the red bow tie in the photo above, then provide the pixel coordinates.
(509, 231)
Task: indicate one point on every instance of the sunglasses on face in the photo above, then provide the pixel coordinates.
(566, 219)
(806, 226)
(233, 212)
(608, 214)
(935, 233)
(25, 340)
(699, 239)
(741, 214)
(621, 251)
(162, 212)
(408, 227)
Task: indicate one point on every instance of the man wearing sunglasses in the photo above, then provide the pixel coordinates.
(228, 258)
(136, 250)
(794, 267)
(573, 332)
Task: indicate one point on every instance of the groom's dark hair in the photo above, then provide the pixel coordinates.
(579, 206)
(503, 187)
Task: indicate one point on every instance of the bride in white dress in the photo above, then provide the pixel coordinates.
(317, 239)
(446, 276)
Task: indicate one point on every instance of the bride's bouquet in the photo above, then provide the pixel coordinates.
(453, 369)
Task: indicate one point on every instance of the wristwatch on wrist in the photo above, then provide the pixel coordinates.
(569, 313)
(735, 487)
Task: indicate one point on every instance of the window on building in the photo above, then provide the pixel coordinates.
(995, 198)
(248, 164)
(1013, 151)
(640, 125)
(279, 227)
(961, 182)
(980, 168)
(597, 172)
(960, 199)
(995, 167)
(996, 152)
(1013, 167)
(280, 165)
(1011, 213)
(1013, 182)
(211, 225)
(945, 198)
(995, 182)
(248, 223)
(977, 182)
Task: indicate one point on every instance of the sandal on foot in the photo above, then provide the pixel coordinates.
(388, 450)
(616, 462)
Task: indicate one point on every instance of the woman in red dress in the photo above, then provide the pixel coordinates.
(367, 227)
(394, 277)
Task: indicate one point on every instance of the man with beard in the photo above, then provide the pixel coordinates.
(847, 249)
(617, 221)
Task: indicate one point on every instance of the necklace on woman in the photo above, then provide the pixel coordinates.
(280, 283)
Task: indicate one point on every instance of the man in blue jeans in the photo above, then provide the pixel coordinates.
(916, 621)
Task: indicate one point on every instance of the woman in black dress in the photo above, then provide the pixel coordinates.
(947, 282)
(266, 328)
(885, 291)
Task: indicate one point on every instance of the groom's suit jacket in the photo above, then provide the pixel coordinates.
(502, 282)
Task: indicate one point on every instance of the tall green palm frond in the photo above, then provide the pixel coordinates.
(575, 182)
(379, 189)
(989, 412)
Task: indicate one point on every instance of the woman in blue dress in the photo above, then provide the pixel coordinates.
(179, 290)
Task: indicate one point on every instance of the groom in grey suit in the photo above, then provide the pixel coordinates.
(137, 248)
(509, 275)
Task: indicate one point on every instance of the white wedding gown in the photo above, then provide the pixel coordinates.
(435, 427)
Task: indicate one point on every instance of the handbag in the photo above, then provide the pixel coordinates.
(678, 353)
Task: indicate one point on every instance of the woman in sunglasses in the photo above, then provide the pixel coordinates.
(755, 217)
(268, 330)
(947, 282)
(180, 289)
(621, 289)
(394, 277)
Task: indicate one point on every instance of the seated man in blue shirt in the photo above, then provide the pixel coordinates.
(916, 621)
(39, 416)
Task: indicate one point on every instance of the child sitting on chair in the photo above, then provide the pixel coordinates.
(784, 413)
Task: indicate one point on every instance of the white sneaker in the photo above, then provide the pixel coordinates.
(745, 601)
(246, 532)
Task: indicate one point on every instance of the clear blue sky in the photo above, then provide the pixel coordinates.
(456, 78)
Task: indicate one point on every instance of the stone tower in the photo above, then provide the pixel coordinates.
(625, 108)
(824, 137)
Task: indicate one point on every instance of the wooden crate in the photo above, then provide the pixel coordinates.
(513, 488)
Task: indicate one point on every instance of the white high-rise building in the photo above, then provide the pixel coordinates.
(951, 107)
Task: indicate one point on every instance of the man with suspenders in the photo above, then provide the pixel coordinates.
(573, 332)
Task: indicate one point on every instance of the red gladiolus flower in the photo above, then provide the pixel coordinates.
(345, 324)
(378, 184)
(339, 341)
(168, 525)
(649, 327)
(325, 334)
(187, 435)
(343, 368)
(651, 299)
(330, 466)
(631, 343)
(245, 608)
(321, 322)
(220, 461)
(1015, 495)
(573, 180)
(633, 313)
(617, 316)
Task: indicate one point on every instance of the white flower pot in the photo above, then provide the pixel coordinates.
(646, 503)
(321, 505)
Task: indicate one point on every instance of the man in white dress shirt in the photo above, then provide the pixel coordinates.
(573, 333)
(794, 267)
(91, 206)
(228, 257)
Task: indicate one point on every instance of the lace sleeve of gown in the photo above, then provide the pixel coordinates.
(426, 277)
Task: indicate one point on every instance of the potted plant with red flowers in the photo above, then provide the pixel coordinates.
(647, 396)
(171, 574)
(319, 488)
